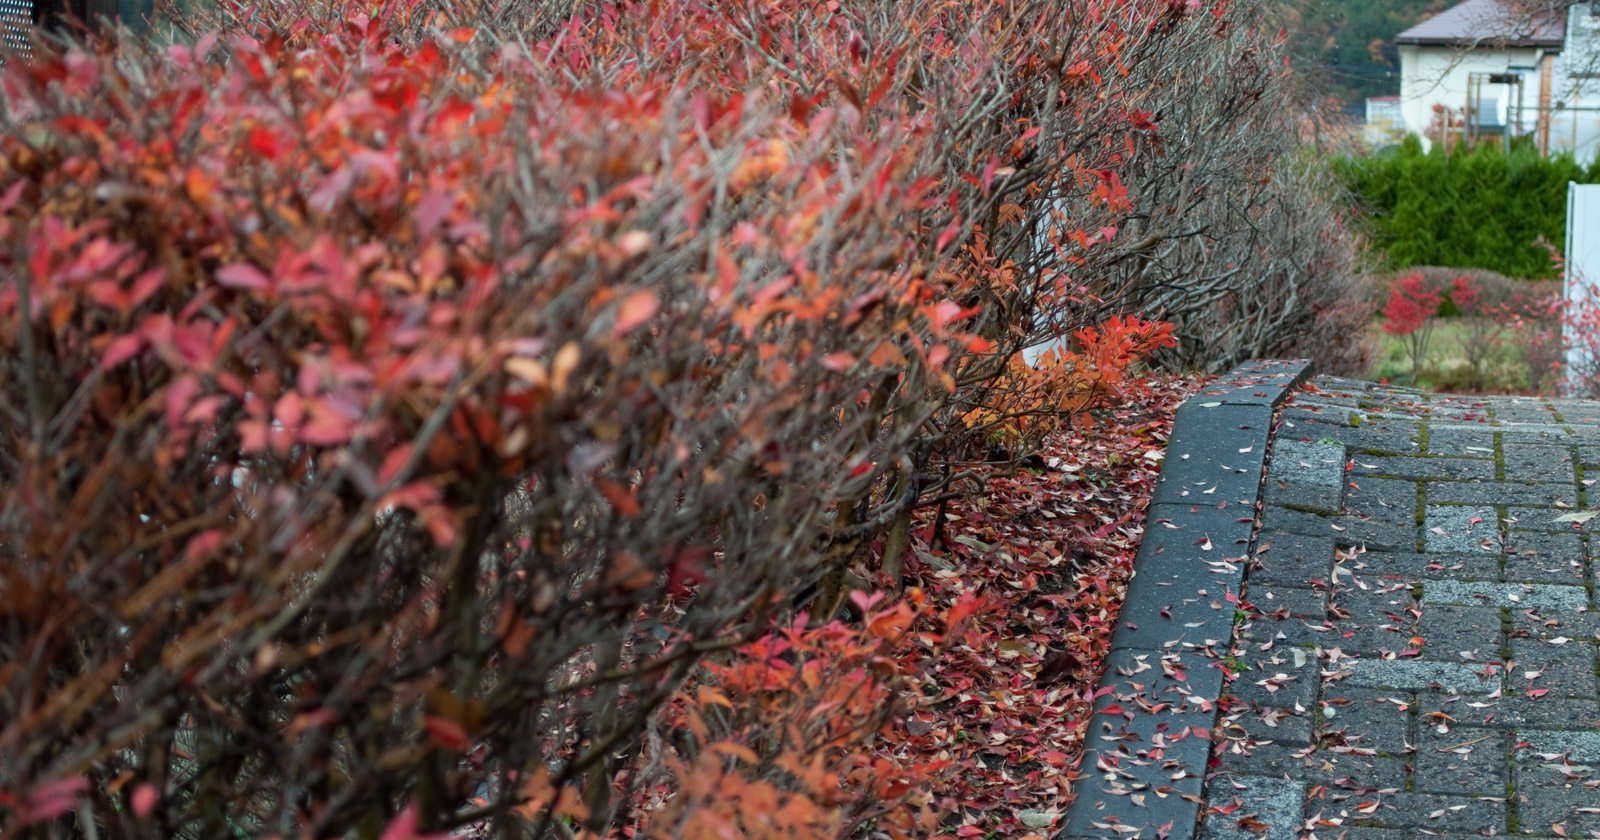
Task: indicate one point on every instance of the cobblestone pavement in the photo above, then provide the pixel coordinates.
(1415, 654)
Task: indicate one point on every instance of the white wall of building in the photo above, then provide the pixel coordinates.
(1439, 75)
(1575, 86)
(1583, 267)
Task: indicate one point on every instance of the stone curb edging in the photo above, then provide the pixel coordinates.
(1147, 746)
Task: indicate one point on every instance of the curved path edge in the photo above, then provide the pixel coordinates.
(1148, 743)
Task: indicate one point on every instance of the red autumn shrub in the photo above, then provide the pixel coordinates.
(1410, 314)
(1483, 324)
(405, 420)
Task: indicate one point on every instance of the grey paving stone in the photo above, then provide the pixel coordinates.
(1552, 624)
(1274, 678)
(1390, 601)
(1541, 519)
(1260, 809)
(1463, 760)
(1439, 813)
(1576, 412)
(1540, 557)
(1283, 602)
(1529, 422)
(1387, 499)
(1285, 634)
(1323, 767)
(1566, 545)
(1534, 432)
(1306, 476)
(1498, 493)
(1527, 596)
(1506, 712)
(1511, 408)
(1412, 675)
(1389, 740)
(1460, 529)
(1449, 413)
(1367, 717)
(1434, 467)
(1536, 425)
(1252, 722)
(1410, 567)
(1299, 462)
(1386, 392)
(1390, 409)
(1372, 638)
(1548, 796)
(1467, 634)
(1328, 384)
(1564, 670)
(1291, 559)
(1533, 462)
(1380, 620)
(1315, 497)
(1578, 746)
(1472, 441)
(1370, 436)
(1323, 412)
(1344, 530)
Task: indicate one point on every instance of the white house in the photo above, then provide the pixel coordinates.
(1478, 68)
(1575, 91)
(1385, 123)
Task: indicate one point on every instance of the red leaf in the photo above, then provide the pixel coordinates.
(52, 799)
(180, 395)
(965, 606)
(144, 799)
(122, 349)
(446, 733)
(242, 276)
(863, 601)
(402, 827)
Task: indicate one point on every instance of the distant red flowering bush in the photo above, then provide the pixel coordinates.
(1410, 313)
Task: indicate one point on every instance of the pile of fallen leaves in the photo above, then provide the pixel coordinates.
(1048, 548)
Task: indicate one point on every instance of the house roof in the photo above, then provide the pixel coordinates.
(1487, 22)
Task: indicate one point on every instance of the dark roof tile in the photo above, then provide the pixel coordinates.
(1488, 22)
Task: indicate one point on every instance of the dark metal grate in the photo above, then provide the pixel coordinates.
(16, 19)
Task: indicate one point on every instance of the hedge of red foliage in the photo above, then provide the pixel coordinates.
(411, 425)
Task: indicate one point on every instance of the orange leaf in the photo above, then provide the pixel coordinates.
(640, 307)
(891, 622)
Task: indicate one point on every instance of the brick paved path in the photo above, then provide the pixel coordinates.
(1417, 648)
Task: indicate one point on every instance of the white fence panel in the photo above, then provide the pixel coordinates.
(1583, 264)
